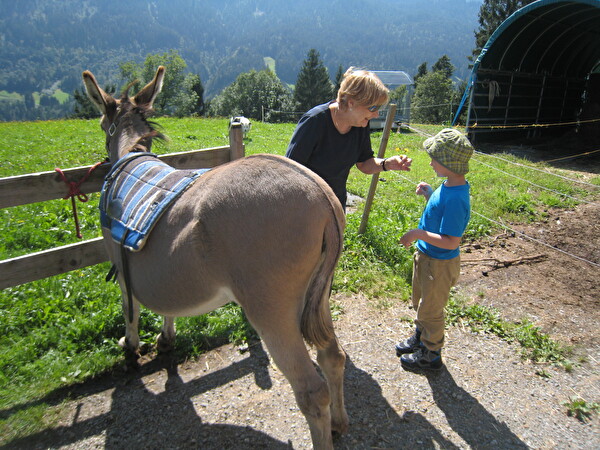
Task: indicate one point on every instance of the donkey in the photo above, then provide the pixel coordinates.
(261, 231)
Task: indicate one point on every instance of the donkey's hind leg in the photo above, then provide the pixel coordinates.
(289, 353)
(332, 360)
(165, 341)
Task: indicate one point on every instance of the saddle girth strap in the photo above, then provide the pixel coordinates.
(127, 278)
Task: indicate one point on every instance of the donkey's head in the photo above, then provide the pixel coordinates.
(124, 120)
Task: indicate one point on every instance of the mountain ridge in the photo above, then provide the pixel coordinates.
(43, 41)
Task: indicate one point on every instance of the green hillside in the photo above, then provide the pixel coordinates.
(45, 45)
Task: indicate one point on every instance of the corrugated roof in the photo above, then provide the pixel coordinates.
(554, 37)
(534, 69)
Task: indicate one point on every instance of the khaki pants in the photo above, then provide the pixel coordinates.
(431, 283)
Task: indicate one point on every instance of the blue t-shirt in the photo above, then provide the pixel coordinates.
(318, 145)
(447, 212)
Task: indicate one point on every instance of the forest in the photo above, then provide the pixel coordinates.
(45, 45)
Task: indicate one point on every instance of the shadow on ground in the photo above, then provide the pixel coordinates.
(139, 418)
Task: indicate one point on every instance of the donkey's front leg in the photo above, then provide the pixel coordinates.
(165, 341)
(131, 341)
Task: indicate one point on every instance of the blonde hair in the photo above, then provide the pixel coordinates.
(363, 87)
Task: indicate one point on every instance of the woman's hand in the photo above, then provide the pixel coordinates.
(398, 162)
(377, 165)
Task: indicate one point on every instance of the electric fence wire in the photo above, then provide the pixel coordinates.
(534, 184)
(591, 152)
(430, 106)
(533, 125)
(542, 170)
(537, 241)
(516, 231)
(423, 133)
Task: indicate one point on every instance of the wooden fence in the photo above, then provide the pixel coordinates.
(39, 187)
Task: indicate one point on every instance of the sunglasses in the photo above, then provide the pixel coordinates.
(374, 108)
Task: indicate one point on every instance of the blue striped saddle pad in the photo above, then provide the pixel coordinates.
(136, 192)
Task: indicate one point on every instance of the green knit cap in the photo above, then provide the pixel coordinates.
(451, 149)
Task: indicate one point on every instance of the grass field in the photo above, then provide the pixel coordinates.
(10, 96)
(64, 329)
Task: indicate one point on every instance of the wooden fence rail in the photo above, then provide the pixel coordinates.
(44, 186)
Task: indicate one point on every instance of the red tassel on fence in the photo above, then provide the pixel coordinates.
(74, 191)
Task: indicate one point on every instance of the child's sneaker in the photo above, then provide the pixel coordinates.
(423, 358)
(409, 345)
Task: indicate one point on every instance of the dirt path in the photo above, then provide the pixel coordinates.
(485, 398)
(559, 292)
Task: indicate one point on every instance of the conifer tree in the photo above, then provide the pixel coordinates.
(339, 76)
(491, 15)
(434, 93)
(444, 65)
(421, 71)
(313, 86)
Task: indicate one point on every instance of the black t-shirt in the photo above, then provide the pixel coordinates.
(318, 145)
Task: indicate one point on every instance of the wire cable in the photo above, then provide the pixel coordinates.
(541, 170)
(534, 184)
(573, 156)
(538, 241)
(518, 232)
(533, 125)
(423, 133)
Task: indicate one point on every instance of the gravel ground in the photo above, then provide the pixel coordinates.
(485, 397)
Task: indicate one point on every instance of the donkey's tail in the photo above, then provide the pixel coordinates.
(316, 324)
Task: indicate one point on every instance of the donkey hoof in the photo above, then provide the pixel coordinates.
(132, 355)
(341, 426)
(128, 348)
(126, 345)
(163, 344)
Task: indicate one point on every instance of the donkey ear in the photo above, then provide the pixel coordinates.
(148, 94)
(98, 97)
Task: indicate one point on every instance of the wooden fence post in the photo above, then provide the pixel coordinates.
(236, 141)
(382, 146)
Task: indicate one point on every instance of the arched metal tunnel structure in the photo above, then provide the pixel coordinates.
(538, 75)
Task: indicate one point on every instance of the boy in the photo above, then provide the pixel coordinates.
(436, 263)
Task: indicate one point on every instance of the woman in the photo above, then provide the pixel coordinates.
(331, 138)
